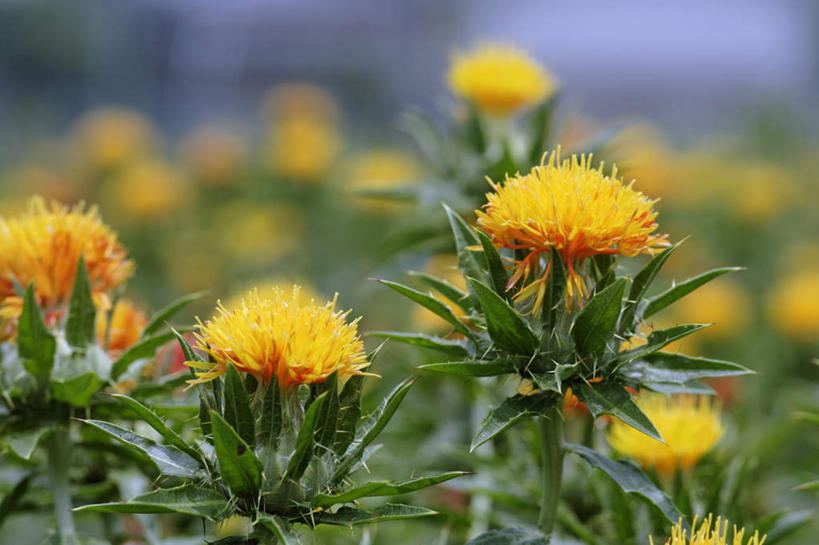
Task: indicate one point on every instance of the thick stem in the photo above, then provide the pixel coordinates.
(551, 442)
(59, 462)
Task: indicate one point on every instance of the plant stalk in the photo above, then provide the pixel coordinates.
(551, 442)
(59, 462)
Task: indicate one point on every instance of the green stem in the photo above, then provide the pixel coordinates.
(59, 462)
(551, 442)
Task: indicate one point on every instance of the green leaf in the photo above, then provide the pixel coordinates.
(540, 128)
(497, 271)
(671, 295)
(22, 442)
(169, 460)
(238, 464)
(187, 349)
(430, 303)
(385, 488)
(151, 418)
(79, 325)
(427, 136)
(12, 499)
(691, 387)
(305, 441)
(658, 339)
(596, 324)
(506, 327)
(271, 426)
(167, 312)
(480, 368)
(279, 528)
(373, 425)
(348, 516)
(510, 411)
(327, 419)
(188, 499)
(349, 413)
(679, 368)
(453, 348)
(471, 263)
(446, 289)
(612, 398)
(777, 526)
(75, 388)
(641, 283)
(145, 348)
(632, 480)
(35, 342)
(237, 407)
(509, 536)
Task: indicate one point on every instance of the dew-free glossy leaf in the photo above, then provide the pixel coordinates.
(34, 341)
(631, 479)
(509, 536)
(641, 283)
(161, 317)
(505, 325)
(239, 466)
(237, 407)
(349, 413)
(384, 488)
(145, 348)
(596, 323)
(510, 411)
(188, 499)
(611, 398)
(79, 325)
(671, 295)
(169, 460)
(431, 303)
(454, 348)
(348, 516)
(279, 528)
(152, 419)
(679, 368)
(305, 441)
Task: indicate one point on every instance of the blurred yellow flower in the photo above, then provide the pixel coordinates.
(303, 140)
(127, 323)
(709, 533)
(760, 192)
(214, 155)
(575, 209)
(793, 305)
(645, 156)
(499, 79)
(303, 148)
(44, 245)
(258, 233)
(110, 137)
(146, 190)
(722, 303)
(301, 342)
(445, 267)
(690, 426)
(380, 169)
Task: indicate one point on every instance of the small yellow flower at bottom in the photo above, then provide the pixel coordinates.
(708, 534)
(301, 342)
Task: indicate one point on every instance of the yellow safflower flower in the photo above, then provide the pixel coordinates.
(303, 148)
(690, 426)
(793, 305)
(575, 209)
(148, 189)
(127, 323)
(301, 343)
(272, 288)
(709, 534)
(44, 245)
(499, 79)
(258, 233)
(214, 155)
(647, 158)
(110, 137)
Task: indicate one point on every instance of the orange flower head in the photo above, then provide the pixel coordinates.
(301, 342)
(44, 245)
(574, 208)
